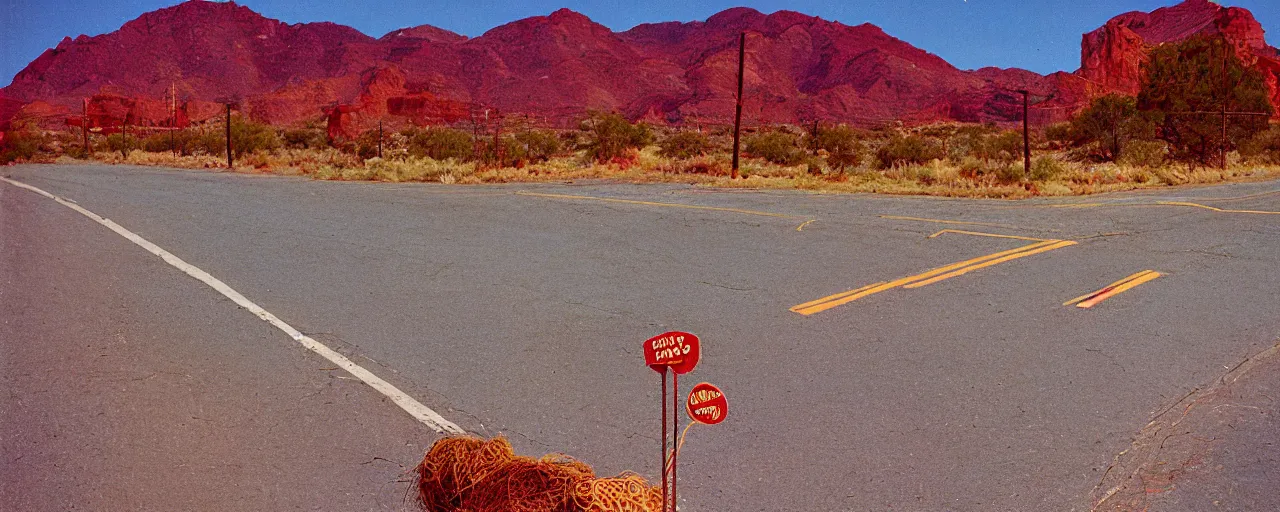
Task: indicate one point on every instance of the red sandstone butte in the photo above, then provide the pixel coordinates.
(554, 68)
(1112, 56)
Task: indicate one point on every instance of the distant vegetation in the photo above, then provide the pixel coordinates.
(1170, 134)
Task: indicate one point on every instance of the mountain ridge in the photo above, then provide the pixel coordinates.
(555, 67)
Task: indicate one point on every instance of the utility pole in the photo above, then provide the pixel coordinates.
(737, 118)
(815, 137)
(229, 137)
(379, 138)
(173, 116)
(84, 127)
(1026, 133)
(124, 136)
(1226, 93)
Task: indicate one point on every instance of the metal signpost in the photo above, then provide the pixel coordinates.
(679, 352)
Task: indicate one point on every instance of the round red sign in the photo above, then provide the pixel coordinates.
(676, 350)
(707, 404)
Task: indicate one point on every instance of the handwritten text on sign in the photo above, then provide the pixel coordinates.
(707, 404)
(679, 351)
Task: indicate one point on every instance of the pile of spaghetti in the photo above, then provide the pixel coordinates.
(467, 474)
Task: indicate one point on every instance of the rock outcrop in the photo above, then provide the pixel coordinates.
(1112, 56)
(554, 68)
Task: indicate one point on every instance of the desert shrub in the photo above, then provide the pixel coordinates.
(115, 143)
(21, 143)
(1010, 173)
(1181, 77)
(911, 149)
(75, 151)
(440, 144)
(1110, 123)
(157, 143)
(684, 144)
(249, 136)
(164, 142)
(1059, 135)
(776, 147)
(539, 145)
(967, 141)
(1144, 153)
(305, 138)
(609, 136)
(712, 165)
(947, 134)
(842, 144)
(971, 167)
(1171, 176)
(366, 145)
(209, 142)
(1003, 147)
(1263, 148)
(505, 151)
(1046, 168)
(572, 140)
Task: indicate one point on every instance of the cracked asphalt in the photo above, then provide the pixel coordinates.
(128, 385)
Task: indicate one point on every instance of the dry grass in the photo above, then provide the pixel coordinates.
(969, 178)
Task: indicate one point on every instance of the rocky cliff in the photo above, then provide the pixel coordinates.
(554, 68)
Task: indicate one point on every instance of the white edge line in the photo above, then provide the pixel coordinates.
(415, 408)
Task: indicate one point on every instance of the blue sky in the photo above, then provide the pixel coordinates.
(1040, 35)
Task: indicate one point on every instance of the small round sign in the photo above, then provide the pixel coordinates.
(677, 350)
(707, 404)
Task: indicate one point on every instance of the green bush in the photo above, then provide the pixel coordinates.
(1060, 134)
(164, 142)
(249, 137)
(1263, 148)
(967, 141)
(777, 147)
(1110, 124)
(971, 167)
(842, 144)
(75, 151)
(506, 151)
(157, 143)
(610, 136)
(22, 143)
(538, 145)
(1144, 153)
(912, 149)
(209, 142)
(1047, 168)
(1011, 173)
(440, 144)
(116, 143)
(1004, 147)
(684, 145)
(1188, 76)
(305, 138)
(366, 145)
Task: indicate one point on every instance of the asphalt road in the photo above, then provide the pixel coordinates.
(520, 309)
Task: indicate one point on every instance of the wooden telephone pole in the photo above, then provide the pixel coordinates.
(1226, 93)
(84, 127)
(1026, 133)
(173, 116)
(737, 118)
(229, 137)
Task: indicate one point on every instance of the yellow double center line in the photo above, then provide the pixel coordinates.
(1093, 298)
(930, 277)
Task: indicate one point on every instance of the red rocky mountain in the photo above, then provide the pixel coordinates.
(553, 68)
(1112, 56)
